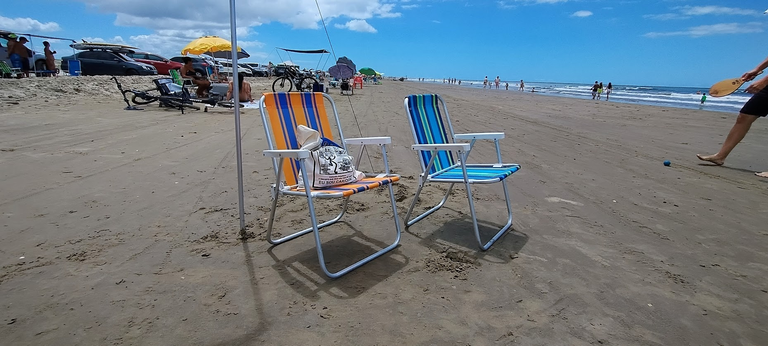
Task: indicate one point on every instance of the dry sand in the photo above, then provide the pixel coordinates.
(120, 228)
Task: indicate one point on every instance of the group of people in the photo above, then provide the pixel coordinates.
(19, 55)
(597, 90)
(203, 83)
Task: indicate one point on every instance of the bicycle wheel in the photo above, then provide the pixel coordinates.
(143, 98)
(306, 84)
(282, 84)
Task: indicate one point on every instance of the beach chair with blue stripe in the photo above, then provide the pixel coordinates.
(443, 160)
(281, 114)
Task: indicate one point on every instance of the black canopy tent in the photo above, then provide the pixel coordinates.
(304, 51)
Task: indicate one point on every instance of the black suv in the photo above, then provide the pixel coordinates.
(200, 65)
(105, 62)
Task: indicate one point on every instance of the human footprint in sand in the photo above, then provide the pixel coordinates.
(756, 107)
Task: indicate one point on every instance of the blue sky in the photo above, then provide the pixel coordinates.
(645, 42)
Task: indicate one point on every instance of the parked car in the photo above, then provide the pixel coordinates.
(160, 63)
(200, 64)
(226, 68)
(259, 70)
(107, 62)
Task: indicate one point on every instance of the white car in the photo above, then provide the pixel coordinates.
(226, 68)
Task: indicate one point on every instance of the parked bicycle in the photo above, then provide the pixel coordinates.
(293, 79)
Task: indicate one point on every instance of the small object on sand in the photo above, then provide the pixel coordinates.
(667, 163)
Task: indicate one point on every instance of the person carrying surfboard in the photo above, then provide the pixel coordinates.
(755, 108)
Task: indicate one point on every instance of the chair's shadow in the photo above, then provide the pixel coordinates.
(302, 271)
(458, 233)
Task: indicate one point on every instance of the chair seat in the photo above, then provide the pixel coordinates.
(348, 189)
(477, 172)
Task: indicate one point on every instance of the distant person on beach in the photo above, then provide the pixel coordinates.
(20, 56)
(608, 91)
(243, 86)
(522, 85)
(594, 90)
(485, 82)
(755, 108)
(9, 51)
(50, 63)
(600, 90)
(506, 85)
(497, 81)
(187, 70)
(703, 98)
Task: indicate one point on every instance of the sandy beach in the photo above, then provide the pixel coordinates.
(121, 228)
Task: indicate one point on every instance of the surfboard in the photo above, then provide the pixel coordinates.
(101, 45)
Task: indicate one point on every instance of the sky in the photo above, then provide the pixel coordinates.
(640, 42)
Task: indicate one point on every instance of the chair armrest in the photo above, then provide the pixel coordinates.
(442, 147)
(483, 135)
(292, 153)
(369, 140)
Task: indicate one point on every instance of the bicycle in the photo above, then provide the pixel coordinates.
(292, 77)
(168, 95)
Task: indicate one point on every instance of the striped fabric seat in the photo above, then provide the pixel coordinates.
(486, 173)
(281, 114)
(347, 190)
(441, 163)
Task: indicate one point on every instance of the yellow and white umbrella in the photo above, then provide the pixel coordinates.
(207, 44)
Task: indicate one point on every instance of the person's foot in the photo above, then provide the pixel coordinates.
(711, 158)
(762, 174)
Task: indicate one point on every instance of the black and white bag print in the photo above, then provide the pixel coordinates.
(328, 164)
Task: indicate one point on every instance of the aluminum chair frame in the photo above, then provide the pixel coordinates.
(462, 151)
(279, 155)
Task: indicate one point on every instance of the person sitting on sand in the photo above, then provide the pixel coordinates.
(217, 76)
(189, 71)
(755, 108)
(245, 89)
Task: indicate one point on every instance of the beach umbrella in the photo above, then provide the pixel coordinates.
(207, 44)
(368, 71)
(225, 54)
(346, 61)
(341, 71)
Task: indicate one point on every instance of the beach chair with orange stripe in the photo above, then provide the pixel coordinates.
(281, 114)
(445, 161)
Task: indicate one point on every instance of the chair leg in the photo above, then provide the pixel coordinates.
(409, 222)
(498, 234)
(302, 232)
(363, 261)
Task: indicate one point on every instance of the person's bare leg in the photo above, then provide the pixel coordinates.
(762, 174)
(737, 133)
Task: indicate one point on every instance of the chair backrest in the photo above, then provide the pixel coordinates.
(167, 87)
(283, 112)
(74, 68)
(430, 125)
(4, 67)
(176, 76)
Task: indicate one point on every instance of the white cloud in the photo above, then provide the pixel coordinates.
(581, 14)
(214, 14)
(685, 12)
(715, 29)
(357, 25)
(717, 10)
(665, 16)
(27, 24)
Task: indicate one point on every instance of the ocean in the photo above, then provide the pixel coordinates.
(679, 97)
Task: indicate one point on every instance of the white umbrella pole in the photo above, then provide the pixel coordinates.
(236, 94)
